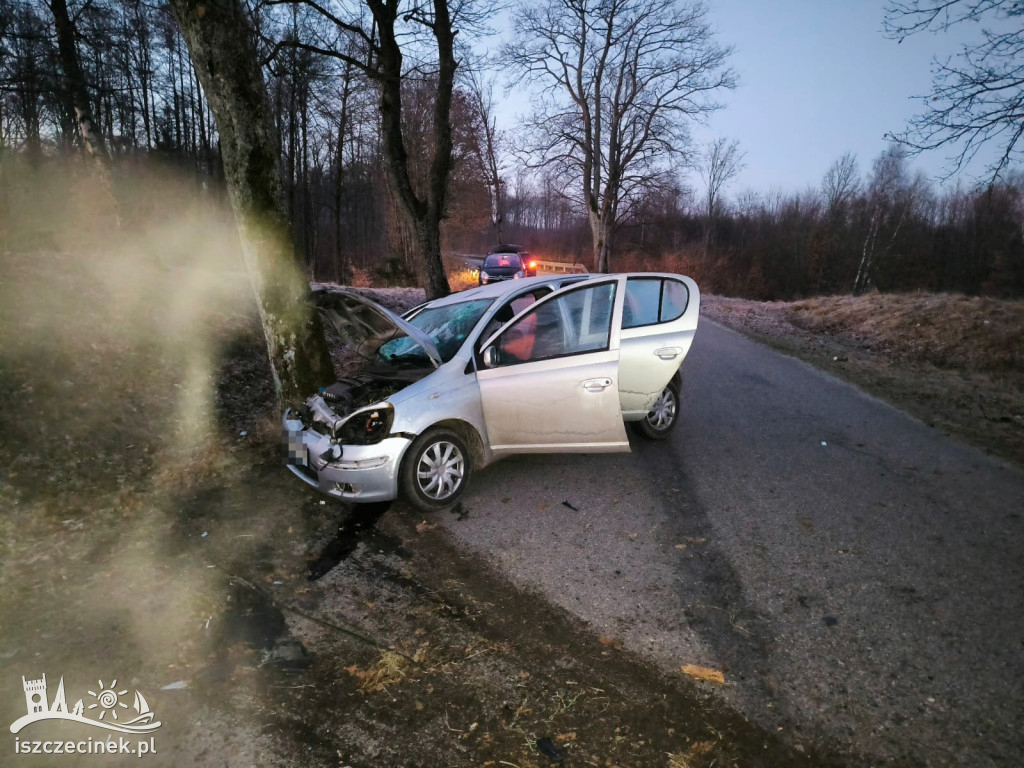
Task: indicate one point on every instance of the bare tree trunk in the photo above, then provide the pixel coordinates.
(225, 59)
(340, 270)
(92, 138)
(867, 255)
(602, 238)
(423, 215)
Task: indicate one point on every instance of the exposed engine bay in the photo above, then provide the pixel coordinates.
(350, 394)
(345, 410)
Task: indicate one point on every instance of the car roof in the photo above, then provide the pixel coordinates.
(506, 248)
(497, 290)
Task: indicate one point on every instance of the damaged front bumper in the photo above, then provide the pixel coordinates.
(355, 473)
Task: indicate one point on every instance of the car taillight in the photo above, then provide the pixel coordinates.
(533, 265)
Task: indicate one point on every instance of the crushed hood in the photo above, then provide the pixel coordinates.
(367, 325)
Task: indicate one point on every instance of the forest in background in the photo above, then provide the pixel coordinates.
(881, 226)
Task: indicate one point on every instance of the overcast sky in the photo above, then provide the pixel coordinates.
(817, 79)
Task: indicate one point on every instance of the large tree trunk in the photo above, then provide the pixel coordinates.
(422, 215)
(601, 234)
(221, 46)
(78, 94)
(78, 99)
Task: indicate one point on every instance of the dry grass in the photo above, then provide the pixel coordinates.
(390, 669)
(462, 279)
(955, 362)
(946, 330)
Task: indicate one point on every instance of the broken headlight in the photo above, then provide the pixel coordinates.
(366, 427)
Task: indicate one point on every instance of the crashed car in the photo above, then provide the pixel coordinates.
(440, 393)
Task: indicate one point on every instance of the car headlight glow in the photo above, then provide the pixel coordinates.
(484, 277)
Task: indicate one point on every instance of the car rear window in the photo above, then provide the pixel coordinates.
(651, 300)
(496, 260)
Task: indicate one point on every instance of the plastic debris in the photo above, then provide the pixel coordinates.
(205, 534)
(243, 433)
(175, 686)
(570, 506)
(547, 748)
(823, 442)
(703, 673)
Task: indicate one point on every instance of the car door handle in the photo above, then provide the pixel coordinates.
(597, 385)
(668, 353)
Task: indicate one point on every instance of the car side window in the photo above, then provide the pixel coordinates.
(651, 300)
(511, 309)
(674, 299)
(579, 321)
(643, 296)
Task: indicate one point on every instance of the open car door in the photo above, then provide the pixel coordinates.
(549, 379)
(659, 320)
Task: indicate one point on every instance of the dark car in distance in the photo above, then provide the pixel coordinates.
(507, 262)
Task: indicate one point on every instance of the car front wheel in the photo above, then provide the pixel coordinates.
(663, 416)
(436, 470)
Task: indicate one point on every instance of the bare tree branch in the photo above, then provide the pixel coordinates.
(977, 98)
(619, 82)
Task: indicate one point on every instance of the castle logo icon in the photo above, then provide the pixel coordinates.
(113, 713)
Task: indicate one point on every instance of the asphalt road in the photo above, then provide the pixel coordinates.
(857, 575)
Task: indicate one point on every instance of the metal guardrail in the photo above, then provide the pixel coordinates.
(560, 267)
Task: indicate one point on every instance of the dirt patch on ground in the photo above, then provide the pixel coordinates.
(955, 362)
(151, 534)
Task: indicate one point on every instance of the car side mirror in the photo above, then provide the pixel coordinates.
(491, 357)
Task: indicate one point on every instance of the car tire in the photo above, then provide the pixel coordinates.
(436, 470)
(663, 416)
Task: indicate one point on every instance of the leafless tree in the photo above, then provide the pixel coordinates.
(841, 183)
(620, 81)
(222, 48)
(481, 94)
(977, 97)
(891, 197)
(390, 41)
(721, 163)
(78, 93)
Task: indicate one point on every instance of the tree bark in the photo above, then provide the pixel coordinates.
(92, 139)
(601, 237)
(78, 96)
(222, 48)
(423, 215)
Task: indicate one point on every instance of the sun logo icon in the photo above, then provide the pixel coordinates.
(107, 699)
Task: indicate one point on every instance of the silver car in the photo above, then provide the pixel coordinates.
(539, 365)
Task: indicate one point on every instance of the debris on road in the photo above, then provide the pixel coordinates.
(703, 673)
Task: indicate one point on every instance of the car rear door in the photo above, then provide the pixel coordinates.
(659, 320)
(553, 385)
